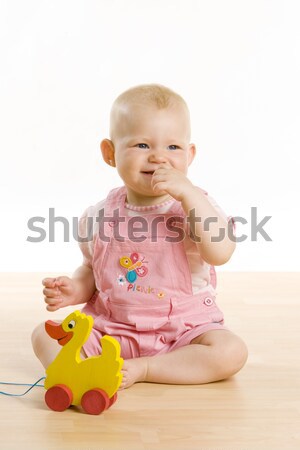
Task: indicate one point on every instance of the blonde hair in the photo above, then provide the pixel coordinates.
(145, 94)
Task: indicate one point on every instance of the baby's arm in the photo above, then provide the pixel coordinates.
(210, 230)
(64, 291)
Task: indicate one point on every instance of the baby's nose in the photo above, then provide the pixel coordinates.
(156, 158)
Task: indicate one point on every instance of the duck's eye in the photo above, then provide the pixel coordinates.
(71, 324)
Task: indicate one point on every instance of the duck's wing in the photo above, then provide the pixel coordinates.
(111, 350)
(112, 363)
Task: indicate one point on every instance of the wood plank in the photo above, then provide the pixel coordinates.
(257, 409)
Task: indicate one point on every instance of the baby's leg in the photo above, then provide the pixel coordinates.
(45, 348)
(213, 356)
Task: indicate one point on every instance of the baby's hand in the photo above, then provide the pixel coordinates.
(170, 180)
(59, 292)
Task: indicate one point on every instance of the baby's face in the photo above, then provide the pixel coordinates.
(146, 138)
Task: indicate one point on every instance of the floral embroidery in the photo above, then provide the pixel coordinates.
(121, 280)
(134, 266)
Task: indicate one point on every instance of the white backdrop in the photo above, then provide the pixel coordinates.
(63, 63)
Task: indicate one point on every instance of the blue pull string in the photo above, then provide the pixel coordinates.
(22, 384)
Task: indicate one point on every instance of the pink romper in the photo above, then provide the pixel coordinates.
(144, 297)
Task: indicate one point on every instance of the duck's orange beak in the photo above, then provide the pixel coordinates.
(56, 331)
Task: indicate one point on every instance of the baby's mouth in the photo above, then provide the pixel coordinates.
(149, 172)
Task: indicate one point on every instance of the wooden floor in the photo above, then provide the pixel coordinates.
(257, 409)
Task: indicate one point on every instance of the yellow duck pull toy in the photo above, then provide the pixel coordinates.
(70, 380)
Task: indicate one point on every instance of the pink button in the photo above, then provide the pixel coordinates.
(113, 223)
(208, 301)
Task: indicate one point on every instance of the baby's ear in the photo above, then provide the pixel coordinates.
(108, 152)
(192, 153)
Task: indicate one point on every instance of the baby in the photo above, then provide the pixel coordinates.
(147, 275)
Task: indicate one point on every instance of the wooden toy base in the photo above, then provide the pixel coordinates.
(59, 398)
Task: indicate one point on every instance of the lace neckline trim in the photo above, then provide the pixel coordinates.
(147, 208)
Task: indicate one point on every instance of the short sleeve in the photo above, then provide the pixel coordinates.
(85, 240)
(88, 227)
(213, 202)
(229, 219)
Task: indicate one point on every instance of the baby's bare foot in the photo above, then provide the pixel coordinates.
(134, 370)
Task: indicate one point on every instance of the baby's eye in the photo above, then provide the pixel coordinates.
(173, 147)
(142, 145)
